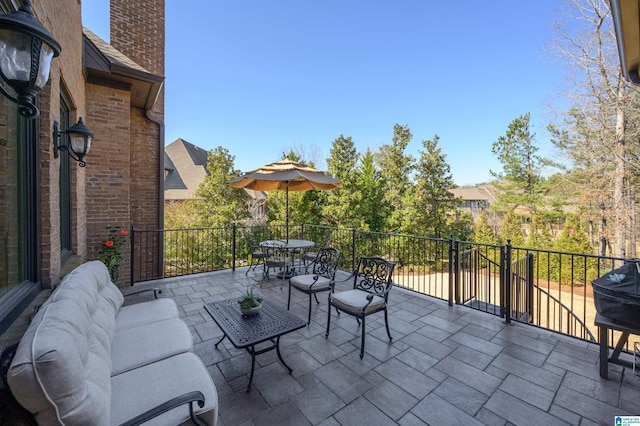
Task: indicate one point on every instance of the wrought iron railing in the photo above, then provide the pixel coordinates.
(544, 288)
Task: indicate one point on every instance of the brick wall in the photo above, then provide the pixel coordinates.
(123, 173)
(137, 30)
(108, 171)
(63, 19)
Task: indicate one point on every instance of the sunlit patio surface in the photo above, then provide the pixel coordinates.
(445, 366)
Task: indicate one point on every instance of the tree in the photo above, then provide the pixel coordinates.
(600, 123)
(341, 202)
(520, 182)
(396, 169)
(222, 205)
(373, 208)
(483, 233)
(572, 239)
(430, 200)
(181, 214)
(459, 225)
(511, 230)
(539, 236)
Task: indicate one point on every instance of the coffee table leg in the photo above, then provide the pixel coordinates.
(252, 351)
(280, 356)
(221, 339)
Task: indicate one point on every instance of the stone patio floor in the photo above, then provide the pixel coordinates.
(445, 366)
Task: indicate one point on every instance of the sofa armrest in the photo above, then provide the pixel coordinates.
(156, 292)
(6, 356)
(187, 398)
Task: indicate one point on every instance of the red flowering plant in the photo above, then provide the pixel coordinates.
(110, 250)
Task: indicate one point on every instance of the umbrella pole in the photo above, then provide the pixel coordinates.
(287, 211)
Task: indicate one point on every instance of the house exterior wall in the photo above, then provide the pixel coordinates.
(138, 31)
(121, 184)
(109, 169)
(63, 19)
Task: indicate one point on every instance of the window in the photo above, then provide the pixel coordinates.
(19, 212)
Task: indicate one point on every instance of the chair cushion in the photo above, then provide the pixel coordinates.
(353, 301)
(277, 261)
(146, 313)
(305, 282)
(141, 389)
(137, 346)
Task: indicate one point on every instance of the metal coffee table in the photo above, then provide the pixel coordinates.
(245, 332)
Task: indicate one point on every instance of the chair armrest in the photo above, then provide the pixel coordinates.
(156, 292)
(315, 280)
(187, 398)
(370, 298)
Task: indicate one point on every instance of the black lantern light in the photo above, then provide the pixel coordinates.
(26, 50)
(79, 141)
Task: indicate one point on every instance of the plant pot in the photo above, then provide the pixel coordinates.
(247, 312)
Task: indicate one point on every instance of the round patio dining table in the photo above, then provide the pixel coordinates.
(291, 246)
(288, 245)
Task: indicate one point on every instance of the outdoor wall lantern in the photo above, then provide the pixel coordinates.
(26, 50)
(79, 141)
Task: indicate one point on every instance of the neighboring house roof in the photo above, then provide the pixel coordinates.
(186, 169)
(104, 62)
(185, 166)
(256, 195)
(172, 179)
(481, 192)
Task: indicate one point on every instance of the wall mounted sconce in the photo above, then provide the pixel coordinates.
(26, 50)
(79, 141)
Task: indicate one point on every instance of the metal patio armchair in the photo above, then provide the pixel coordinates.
(325, 265)
(370, 293)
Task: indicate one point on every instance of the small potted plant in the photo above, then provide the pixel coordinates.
(250, 303)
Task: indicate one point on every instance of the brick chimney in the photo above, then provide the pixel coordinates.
(137, 30)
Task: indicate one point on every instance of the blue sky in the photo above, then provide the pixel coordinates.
(261, 77)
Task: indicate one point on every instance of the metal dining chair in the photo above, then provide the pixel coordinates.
(370, 293)
(324, 272)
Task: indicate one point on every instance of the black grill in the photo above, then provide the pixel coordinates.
(617, 293)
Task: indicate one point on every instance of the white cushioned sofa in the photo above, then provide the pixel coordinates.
(88, 360)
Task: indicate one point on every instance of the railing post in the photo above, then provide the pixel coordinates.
(530, 260)
(233, 248)
(353, 249)
(131, 255)
(453, 269)
(507, 282)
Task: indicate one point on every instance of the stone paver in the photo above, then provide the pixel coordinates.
(445, 365)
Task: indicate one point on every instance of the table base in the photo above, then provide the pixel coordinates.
(275, 344)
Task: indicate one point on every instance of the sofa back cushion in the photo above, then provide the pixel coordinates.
(62, 368)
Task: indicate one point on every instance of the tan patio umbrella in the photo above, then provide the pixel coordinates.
(287, 175)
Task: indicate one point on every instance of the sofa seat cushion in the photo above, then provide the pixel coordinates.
(310, 283)
(141, 389)
(146, 313)
(353, 301)
(137, 346)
